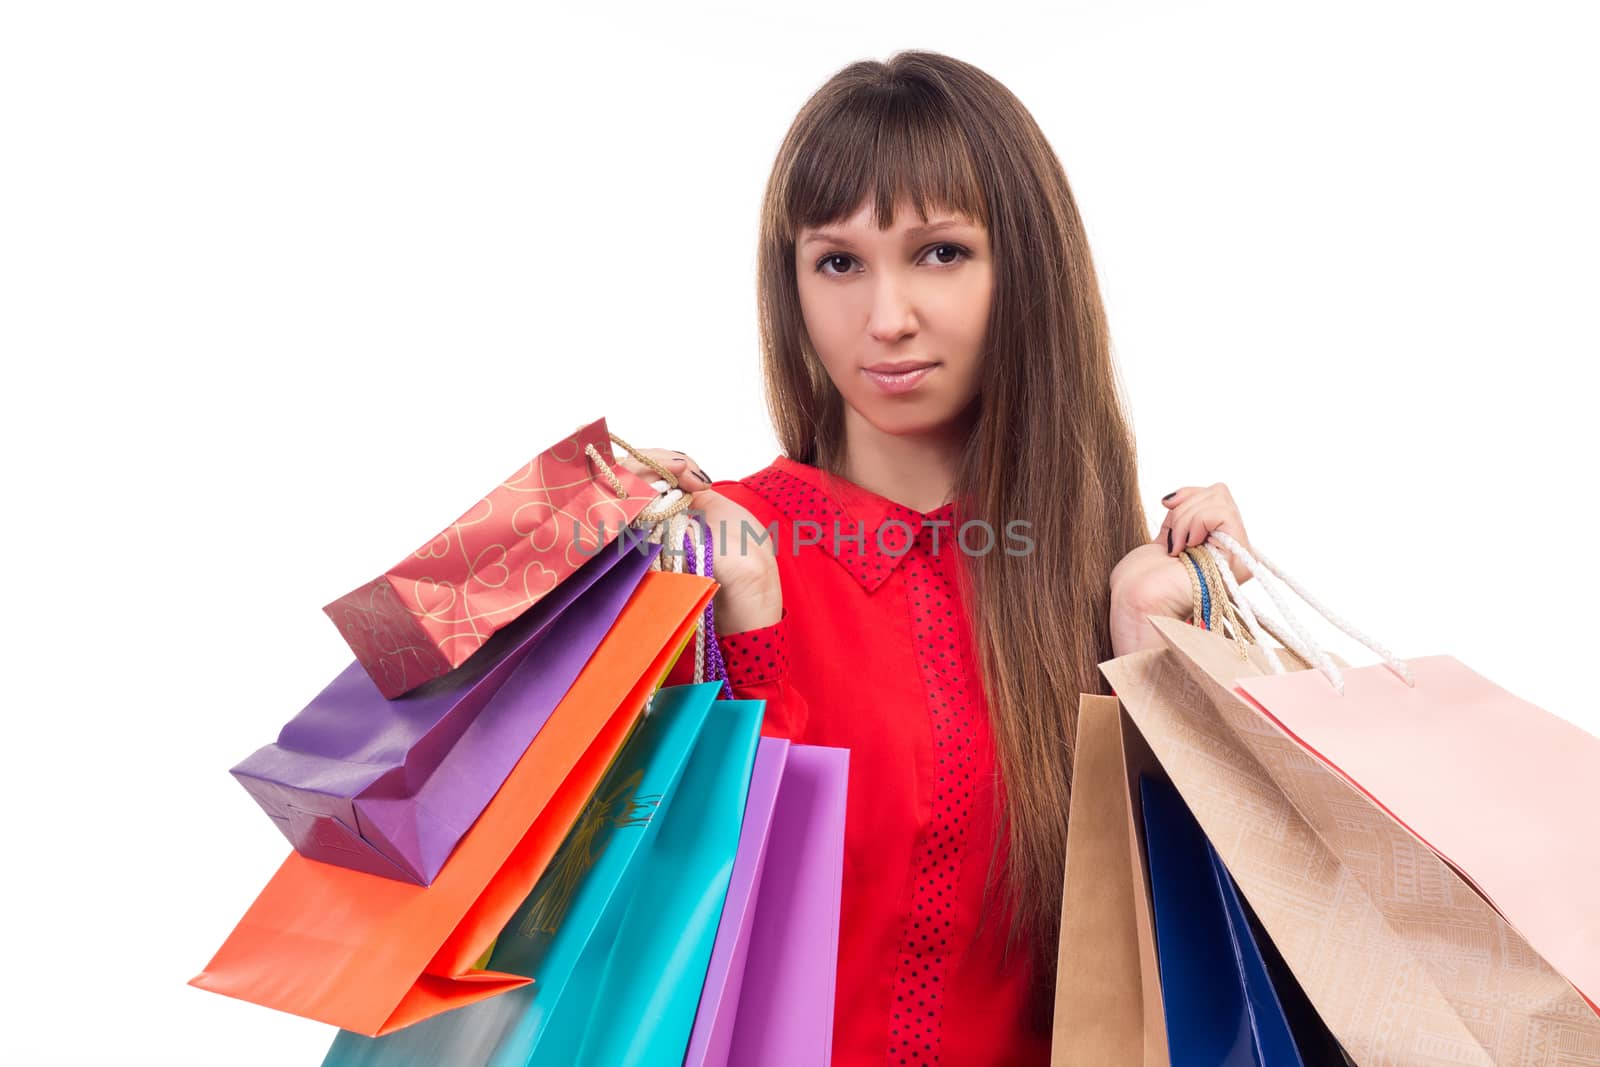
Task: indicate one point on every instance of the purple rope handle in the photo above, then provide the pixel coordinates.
(716, 668)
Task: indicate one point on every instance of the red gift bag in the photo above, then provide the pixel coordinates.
(438, 606)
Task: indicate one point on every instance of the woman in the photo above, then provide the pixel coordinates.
(949, 545)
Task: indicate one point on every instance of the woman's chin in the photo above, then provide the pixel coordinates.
(920, 418)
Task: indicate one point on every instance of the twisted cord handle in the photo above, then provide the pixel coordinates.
(667, 520)
(610, 475)
(1303, 646)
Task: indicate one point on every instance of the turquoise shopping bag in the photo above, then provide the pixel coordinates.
(643, 982)
(573, 911)
(643, 1008)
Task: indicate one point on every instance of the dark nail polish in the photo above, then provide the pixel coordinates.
(1169, 496)
(702, 475)
(1169, 542)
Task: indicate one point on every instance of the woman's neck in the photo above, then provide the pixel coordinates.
(916, 470)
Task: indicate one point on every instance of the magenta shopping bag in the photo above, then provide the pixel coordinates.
(390, 786)
(769, 990)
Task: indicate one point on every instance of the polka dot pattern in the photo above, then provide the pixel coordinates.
(756, 656)
(802, 502)
(928, 943)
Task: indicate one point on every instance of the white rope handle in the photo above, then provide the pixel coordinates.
(1307, 649)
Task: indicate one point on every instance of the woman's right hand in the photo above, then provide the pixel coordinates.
(746, 569)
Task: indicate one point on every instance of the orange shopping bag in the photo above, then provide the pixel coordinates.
(373, 954)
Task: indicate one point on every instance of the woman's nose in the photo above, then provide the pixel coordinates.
(893, 315)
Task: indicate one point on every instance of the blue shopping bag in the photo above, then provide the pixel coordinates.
(1220, 1005)
(573, 912)
(644, 1007)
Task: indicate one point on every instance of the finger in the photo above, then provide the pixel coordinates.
(693, 479)
(1166, 534)
(1175, 524)
(675, 462)
(1177, 496)
(1163, 530)
(665, 457)
(1189, 526)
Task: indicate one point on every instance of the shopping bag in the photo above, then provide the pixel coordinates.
(575, 908)
(786, 1001)
(1220, 1006)
(374, 955)
(1404, 962)
(1312, 1037)
(1499, 789)
(1108, 990)
(769, 992)
(440, 604)
(719, 998)
(1504, 791)
(390, 786)
(644, 1005)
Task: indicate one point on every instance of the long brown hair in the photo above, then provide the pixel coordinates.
(1051, 442)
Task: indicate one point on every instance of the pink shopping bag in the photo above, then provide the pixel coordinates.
(1504, 791)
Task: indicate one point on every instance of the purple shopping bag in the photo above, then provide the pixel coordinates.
(390, 786)
(768, 995)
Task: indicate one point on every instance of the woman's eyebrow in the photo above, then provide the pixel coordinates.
(913, 233)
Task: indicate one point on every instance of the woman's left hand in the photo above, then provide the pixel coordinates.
(1193, 512)
(1154, 578)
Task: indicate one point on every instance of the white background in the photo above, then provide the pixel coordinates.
(284, 287)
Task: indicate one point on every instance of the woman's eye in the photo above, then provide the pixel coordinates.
(956, 252)
(835, 258)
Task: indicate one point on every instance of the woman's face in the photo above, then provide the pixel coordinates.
(898, 316)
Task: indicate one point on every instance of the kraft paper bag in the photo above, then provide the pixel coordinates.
(431, 611)
(1402, 959)
(1108, 991)
(373, 955)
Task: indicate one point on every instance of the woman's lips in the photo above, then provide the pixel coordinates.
(899, 381)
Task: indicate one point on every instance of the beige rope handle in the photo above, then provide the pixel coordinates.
(611, 476)
(1234, 611)
(1224, 616)
(665, 522)
(1232, 619)
(1196, 601)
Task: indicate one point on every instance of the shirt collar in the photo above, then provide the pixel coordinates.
(887, 530)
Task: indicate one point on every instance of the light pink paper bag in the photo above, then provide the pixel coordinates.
(1503, 790)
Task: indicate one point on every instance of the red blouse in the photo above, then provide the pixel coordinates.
(873, 654)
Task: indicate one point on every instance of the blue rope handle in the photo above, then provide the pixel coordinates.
(1205, 592)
